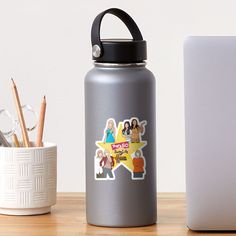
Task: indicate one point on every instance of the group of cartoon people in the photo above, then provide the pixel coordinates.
(133, 130)
(104, 163)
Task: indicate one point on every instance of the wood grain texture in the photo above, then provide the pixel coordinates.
(68, 218)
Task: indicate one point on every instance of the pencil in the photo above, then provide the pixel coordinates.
(39, 140)
(15, 140)
(20, 115)
(3, 140)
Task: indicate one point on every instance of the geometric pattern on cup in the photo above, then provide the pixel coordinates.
(28, 177)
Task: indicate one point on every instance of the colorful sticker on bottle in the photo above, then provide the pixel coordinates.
(121, 145)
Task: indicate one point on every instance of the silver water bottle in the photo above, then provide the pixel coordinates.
(120, 130)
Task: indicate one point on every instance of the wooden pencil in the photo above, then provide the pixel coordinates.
(39, 140)
(25, 136)
(15, 140)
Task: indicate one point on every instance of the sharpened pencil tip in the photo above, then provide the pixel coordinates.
(44, 98)
(13, 81)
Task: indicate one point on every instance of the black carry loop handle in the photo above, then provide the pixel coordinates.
(124, 17)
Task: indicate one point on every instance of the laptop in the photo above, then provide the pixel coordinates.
(210, 122)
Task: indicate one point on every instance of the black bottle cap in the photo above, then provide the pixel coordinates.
(118, 50)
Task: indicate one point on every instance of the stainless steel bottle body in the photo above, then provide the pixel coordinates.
(120, 93)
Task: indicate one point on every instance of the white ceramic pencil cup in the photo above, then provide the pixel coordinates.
(28, 179)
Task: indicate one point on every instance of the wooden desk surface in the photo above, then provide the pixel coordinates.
(68, 218)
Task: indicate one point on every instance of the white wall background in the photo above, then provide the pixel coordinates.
(45, 46)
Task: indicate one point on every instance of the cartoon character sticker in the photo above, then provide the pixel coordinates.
(136, 130)
(121, 145)
(98, 168)
(126, 131)
(139, 165)
(110, 132)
